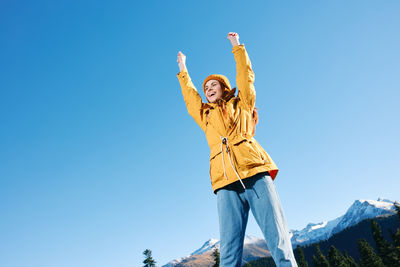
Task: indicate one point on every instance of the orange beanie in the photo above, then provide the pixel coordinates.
(221, 78)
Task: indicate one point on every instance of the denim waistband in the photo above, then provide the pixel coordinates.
(237, 186)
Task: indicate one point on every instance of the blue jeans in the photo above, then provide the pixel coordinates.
(234, 204)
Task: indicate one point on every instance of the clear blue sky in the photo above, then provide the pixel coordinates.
(99, 159)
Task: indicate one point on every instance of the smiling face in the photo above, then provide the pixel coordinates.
(213, 90)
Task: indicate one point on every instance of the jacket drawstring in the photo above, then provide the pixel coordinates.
(222, 152)
(224, 141)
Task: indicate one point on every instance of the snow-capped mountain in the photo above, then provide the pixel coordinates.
(360, 210)
(209, 245)
(255, 247)
(206, 249)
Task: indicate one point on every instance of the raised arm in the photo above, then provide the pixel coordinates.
(244, 72)
(192, 98)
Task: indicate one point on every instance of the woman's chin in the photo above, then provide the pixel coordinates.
(212, 99)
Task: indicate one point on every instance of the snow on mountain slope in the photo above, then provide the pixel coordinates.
(208, 245)
(249, 239)
(360, 210)
(253, 248)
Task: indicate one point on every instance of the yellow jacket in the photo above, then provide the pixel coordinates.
(234, 153)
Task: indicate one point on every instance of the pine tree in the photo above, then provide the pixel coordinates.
(349, 260)
(216, 257)
(396, 236)
(301, 260)
(396, 242)
(319, 260)
(149, 261)
(336, 259)
(368, 258)
(385, 250)
(397, 207)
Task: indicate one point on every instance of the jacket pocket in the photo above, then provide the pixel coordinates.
(216, 168)
(247, 155)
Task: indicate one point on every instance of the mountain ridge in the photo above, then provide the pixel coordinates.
(255, 247)
(361, 209)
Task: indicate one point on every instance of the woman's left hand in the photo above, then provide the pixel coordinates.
(181, 61)
(234, 38)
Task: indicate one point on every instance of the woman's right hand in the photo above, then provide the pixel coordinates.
(181, 61)
(234, 38)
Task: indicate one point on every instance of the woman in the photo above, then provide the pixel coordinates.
(241, 171)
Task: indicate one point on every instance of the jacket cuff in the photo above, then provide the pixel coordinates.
(238, 47)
